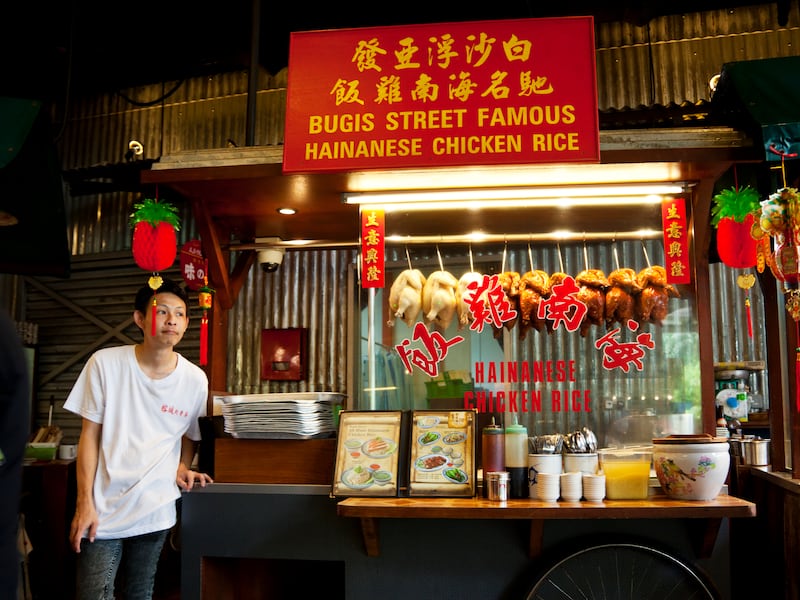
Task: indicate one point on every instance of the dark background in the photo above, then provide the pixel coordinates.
(100, 45)
(58, 51)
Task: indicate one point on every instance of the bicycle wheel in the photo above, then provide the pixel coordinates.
(621, 571)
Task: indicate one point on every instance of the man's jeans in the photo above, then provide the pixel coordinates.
(99, 561)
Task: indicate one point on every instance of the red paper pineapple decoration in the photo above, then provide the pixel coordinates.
(733, 214)
(154, 242)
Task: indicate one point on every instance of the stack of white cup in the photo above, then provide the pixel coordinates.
(594, 487)
(571, 486)
(539, 464)
(548, 487)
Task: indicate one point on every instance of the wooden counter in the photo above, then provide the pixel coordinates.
(248, 540)
(658, 506)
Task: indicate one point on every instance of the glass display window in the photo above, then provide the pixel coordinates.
(597, 338)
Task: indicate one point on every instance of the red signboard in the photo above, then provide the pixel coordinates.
(193, 265)
(373, 257)
(520, 91)
(676, 240)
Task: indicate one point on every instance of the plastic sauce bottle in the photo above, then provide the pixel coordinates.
(516, 459)
(492, 452)
(741, 402)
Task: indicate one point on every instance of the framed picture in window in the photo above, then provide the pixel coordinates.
(442, 457)
(284, 354)
(368, 453)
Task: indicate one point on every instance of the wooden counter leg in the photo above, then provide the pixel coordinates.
(537, 534)
(369, 531)
(703, 534)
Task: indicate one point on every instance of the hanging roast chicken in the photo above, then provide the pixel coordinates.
(439, 299)
(621, 296)
(405, 295)
(593, 284)
(533, 286)
(463, 293)
(509, 282)
(651, 303)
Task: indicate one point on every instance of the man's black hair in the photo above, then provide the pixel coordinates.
(144, 296)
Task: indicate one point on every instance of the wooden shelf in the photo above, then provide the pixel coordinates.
(369, 510)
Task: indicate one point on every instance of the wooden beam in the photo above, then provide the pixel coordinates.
(212, 250)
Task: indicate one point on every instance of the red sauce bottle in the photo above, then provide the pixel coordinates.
(493, 452)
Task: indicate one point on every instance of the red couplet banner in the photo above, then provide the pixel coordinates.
(676, 240)
(373, 251)
(449, 94)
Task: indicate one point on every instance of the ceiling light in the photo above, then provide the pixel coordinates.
(510, 176)
(550, 193)
(545, 236)
(287, 211)
(499, 198)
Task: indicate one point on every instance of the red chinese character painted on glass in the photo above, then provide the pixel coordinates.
(621, 355)
(434, 351)
(562, 306)
(488, 303)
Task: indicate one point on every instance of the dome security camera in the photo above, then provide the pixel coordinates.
(270, 259)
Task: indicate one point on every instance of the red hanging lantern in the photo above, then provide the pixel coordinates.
(154, 241)
(733, 214)
(205, 300)
(779, 218)
(787, 266)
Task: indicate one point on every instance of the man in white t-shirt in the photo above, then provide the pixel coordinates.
(140, 406)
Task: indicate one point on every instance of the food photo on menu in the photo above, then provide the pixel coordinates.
(368, 453)
(442, 457)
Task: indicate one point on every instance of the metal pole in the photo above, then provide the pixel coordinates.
(252, 86)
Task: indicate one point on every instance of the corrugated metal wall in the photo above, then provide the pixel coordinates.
(308, 290)
(671, 60)
(731, 340)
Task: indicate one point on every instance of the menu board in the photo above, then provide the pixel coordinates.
(442, 457)
(367, 455)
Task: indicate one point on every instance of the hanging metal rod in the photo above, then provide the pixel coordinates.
(492, 238)
(489, 238)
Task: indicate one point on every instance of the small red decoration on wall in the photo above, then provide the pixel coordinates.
(194, 267)
(283, 354)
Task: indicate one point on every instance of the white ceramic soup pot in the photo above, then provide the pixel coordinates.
(691, 467)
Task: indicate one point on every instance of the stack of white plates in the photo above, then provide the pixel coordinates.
(722, 432)
(291, 415)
